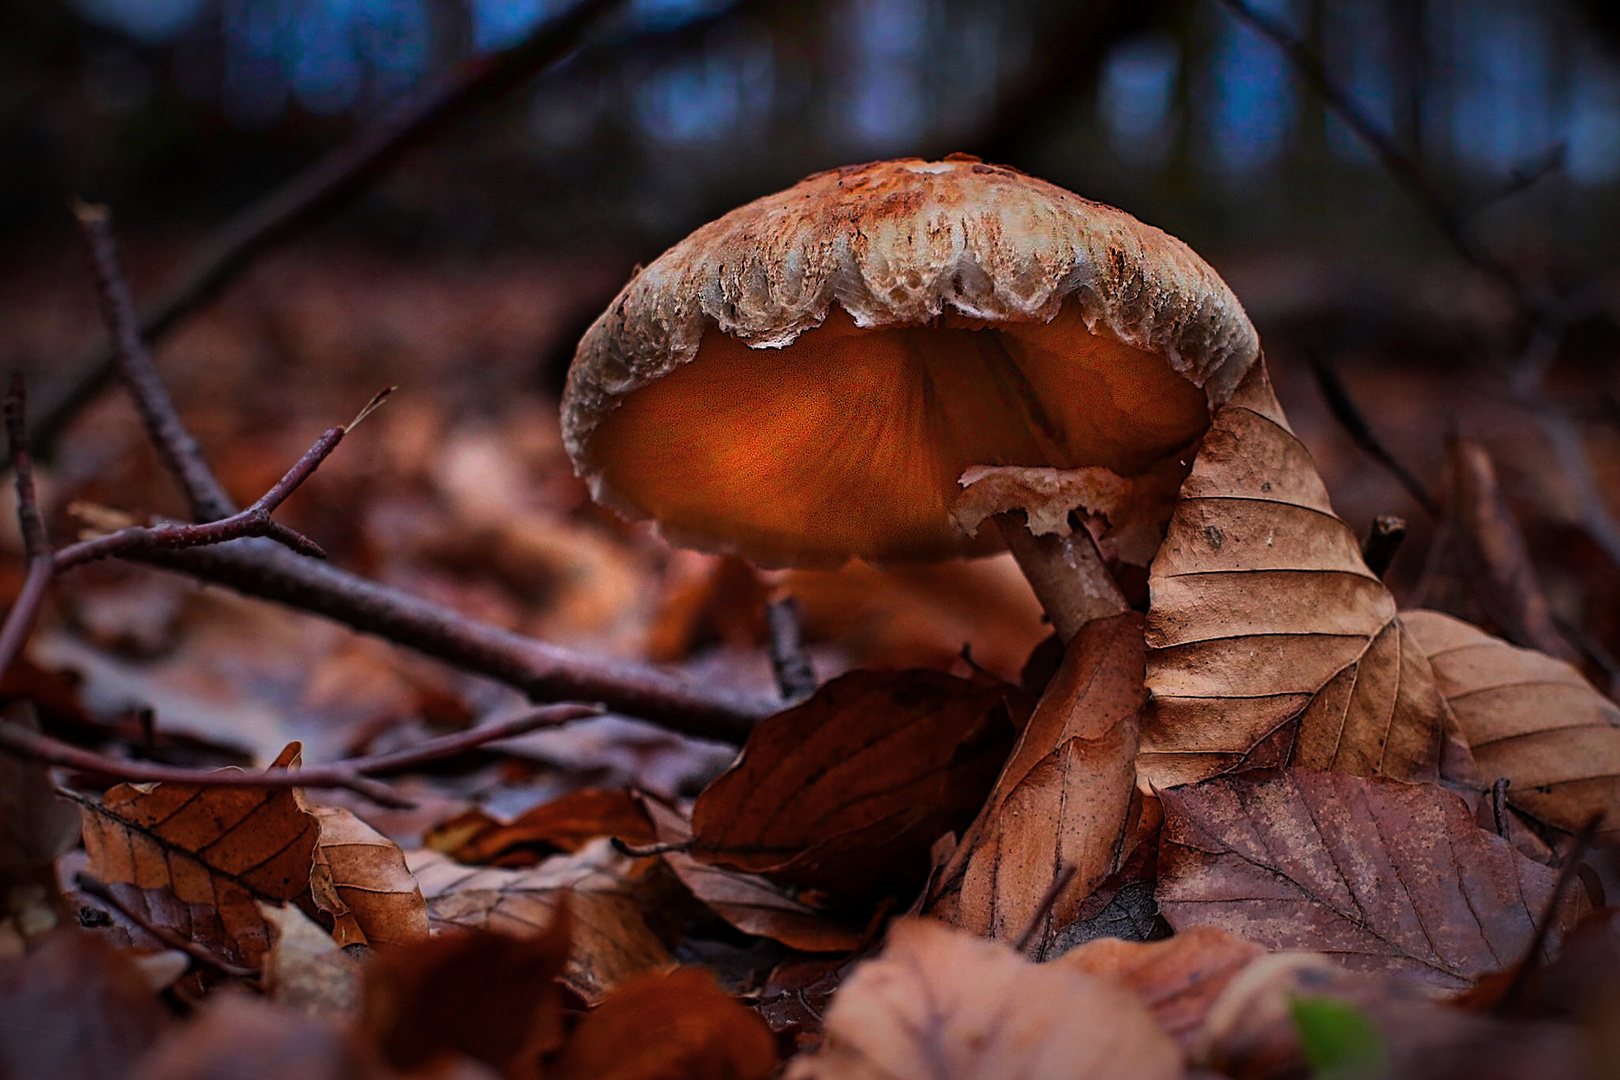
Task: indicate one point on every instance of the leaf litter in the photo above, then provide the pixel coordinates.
(1295, 731)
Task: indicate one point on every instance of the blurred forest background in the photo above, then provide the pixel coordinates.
(467, 271)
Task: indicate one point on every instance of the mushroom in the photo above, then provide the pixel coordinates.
(813, 376)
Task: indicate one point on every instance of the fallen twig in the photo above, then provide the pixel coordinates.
(36, 545)
(795, 676)
(354, 774)
(1355, 424)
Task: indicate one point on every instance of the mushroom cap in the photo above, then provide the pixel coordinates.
(804, 380)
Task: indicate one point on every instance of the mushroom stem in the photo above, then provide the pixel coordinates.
(1068, 574)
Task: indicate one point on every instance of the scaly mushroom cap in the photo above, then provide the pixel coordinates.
(804, 380)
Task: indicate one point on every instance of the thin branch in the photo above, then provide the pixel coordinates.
(543, 671)
(97, 889)
(353, 775)
(25, 609)
(1345, 411)
(1383, 540)
(180, 452)
(1538, 941)
(332, 181)
(1443, 211)
(254, 521)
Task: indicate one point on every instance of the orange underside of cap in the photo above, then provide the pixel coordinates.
(849, 442)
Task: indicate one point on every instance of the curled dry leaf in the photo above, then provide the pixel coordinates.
(848, 791)
(1383, 875)
(675, 1025)
(359, 878)
(1270, 642)
(74, 1007)
(219, 847)
(946, 1004)
(609, 893)
(1178, 979)
(1532, 719)
(491, 997)
(1132, 511)
(748, 902)
(563, 824)
(1063, 798)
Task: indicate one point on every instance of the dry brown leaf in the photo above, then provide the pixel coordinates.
(305, 970)
(489, 996)
(748, 902)
(1178, 979)
(611, 939)
(1530, 718)
(1270, 642)
(1251, 1033)
(946, 1004)
(239, 1037)
(1063, 798)
(74, 1007)
(1494, 576)
(1385, 876)
(199, 923)
(675, 1025)
(220, 847)
(564, 824)
(360, 880)
(848, 791)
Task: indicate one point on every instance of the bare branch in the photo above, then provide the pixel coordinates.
(41, 566)
(1345, 411)
(543, 671)
(353, 775)
(180, 452)
(254, 521)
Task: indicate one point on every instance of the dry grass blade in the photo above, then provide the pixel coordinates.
(1383, 875)
(1270, 642)
(1532, 719)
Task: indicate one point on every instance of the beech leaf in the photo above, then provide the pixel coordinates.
(1531, 718)
(749, 902)
(1270, 642)
(675, 1025)
(848, 791)
(1385, 876)
(949, 1005)
(611, 939)
(1063, 798)
(360, 879)
(565, 824)
(219, 847)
